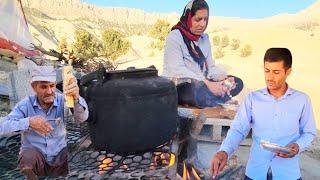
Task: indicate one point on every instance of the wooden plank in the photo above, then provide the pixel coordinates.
(218, 122)
(216, 133)
(214, 112)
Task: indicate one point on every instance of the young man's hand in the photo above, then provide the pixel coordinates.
(40, 125)
(294, 151)
(218, 162)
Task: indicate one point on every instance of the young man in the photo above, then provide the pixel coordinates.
(278, 114)
(40, 120)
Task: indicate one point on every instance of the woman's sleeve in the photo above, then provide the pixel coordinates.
(173, 62)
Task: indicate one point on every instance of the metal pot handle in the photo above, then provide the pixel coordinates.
(98, 75)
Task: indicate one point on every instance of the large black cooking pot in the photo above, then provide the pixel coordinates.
(130, 110)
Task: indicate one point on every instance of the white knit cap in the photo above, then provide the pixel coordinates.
(43, 73)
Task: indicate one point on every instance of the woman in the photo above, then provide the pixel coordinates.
(187, 55)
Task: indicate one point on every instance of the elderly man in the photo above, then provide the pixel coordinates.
(40, 120)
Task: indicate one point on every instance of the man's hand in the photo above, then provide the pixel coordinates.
(294, 151)
(72, 88)
(40, 125)
(217, 88)
(218, 162)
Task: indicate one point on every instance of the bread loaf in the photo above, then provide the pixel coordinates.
(66, 76)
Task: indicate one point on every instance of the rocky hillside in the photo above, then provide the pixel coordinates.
(52, 19)
(75, 10)
(312, 12)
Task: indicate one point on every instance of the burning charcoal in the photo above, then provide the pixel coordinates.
(101, 166)
(107, 161)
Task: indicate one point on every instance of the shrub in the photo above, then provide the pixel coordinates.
(245, 51)
(85, 46)
(218, 53)
(307, 26)
(224, 41)
(159, 31)
(216, 40)
(62, 44)
(235, 44)
(114, 44)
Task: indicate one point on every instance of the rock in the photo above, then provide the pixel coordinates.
(19, 86)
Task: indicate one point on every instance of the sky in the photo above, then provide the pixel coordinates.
(252, 9)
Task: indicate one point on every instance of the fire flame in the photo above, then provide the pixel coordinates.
(105, 165)
(195, 174)
(189, 175)
(172, 159)
(185, 175)
(107, 161)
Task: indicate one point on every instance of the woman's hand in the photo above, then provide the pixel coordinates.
(217, 88)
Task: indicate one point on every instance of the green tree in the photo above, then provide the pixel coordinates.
(114, 44)
(159, 31)
(224, 41)
(85, 46)
(235, 44)
(216, 40)
(62, 43)
(245, 51)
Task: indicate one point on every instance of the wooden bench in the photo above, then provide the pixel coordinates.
(218, 118)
